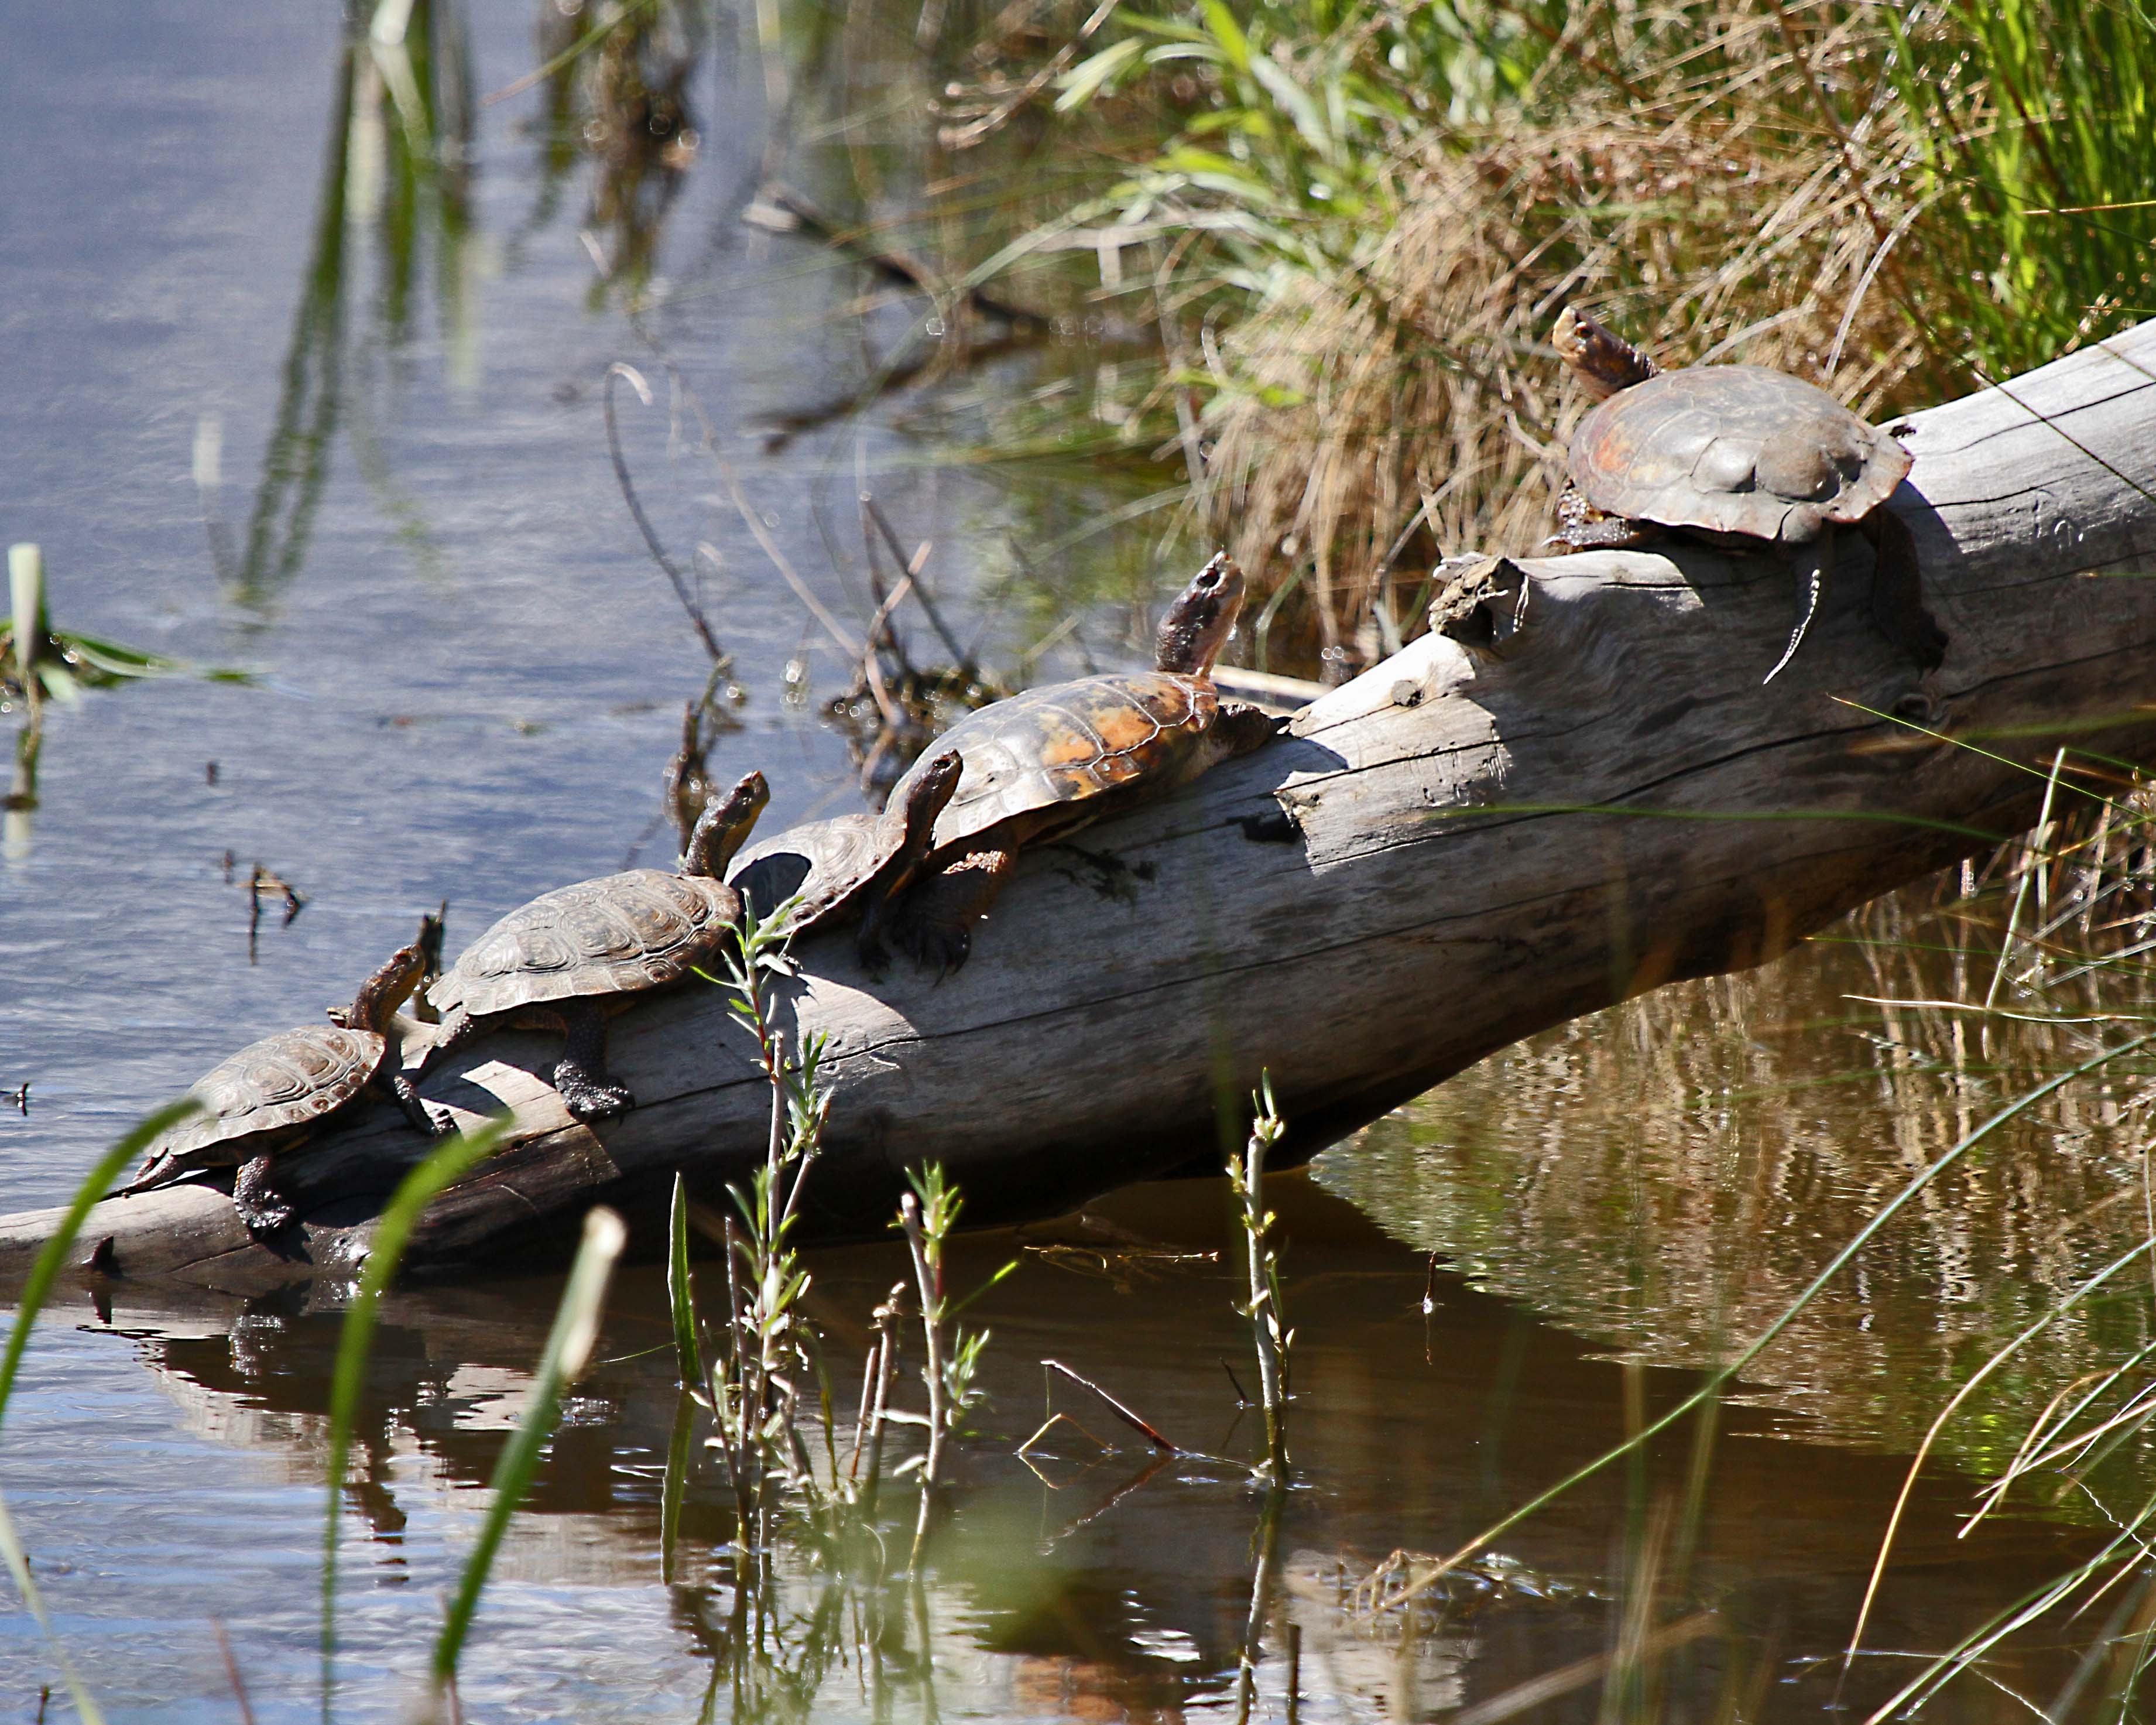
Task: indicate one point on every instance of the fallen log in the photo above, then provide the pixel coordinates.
(1577, 791)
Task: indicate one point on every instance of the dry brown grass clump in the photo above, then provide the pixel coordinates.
(1352, 221)
(1409, 404)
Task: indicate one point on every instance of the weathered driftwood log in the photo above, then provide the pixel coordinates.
(1579, 793)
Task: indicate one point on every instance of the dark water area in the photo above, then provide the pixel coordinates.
(169, 1453)
(467, 677)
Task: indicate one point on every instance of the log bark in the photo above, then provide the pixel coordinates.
(1463, 846)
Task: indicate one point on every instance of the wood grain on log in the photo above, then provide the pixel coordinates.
(1458, 849)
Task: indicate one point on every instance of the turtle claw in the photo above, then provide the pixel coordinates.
(261, 1206)
(580, 1074)
(588, 1100)
(935, 944)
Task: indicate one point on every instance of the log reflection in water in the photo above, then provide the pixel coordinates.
(1082, 1588)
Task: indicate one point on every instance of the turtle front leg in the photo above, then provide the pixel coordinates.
(458, 1029)
(1809, 563)
(935, 928)
(262, 1207)
(1581, 526)
(434, 1122)
(581, 1074)
(1898, 590)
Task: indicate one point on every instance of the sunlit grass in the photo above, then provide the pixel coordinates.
(1346, 228)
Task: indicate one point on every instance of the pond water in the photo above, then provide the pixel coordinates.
(279, 401)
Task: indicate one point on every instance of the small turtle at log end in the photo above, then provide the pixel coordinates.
(823, 870)
(273, 1093)
(1737, 455)
(574, 955)
(1044, 763)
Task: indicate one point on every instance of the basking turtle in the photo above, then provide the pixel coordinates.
(1042, 764)
(822, 870)
(1737, 455)
(570, 956)
(273, 1093)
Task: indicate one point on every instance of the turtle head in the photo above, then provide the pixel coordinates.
(381, 994)
(930, 787)
(1197, 624)
(1604, 362)
(724, 827)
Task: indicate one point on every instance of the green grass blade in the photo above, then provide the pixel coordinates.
(681, 1292)
(675, 1487)
(455, 1158)
(18, 1566)
(568, 1348)
(36, 1290)
(46, 1269)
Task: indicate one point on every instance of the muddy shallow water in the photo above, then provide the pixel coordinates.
(467, 676)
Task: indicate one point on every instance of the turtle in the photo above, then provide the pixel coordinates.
(822, 870)
(1737, 455)
(572, 957)
(1044, 764)
(273, 1093)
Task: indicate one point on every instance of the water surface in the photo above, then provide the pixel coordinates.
(467, 678)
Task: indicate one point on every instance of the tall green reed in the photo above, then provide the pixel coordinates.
(568, 1350)
(36, 1290)
(454, 1158)
(2029, 124)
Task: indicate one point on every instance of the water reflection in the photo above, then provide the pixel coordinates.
(1718, 1141)
(1099, 1582)
(396, 172)
(622, 101)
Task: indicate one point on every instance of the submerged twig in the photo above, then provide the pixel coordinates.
(1137, 1422)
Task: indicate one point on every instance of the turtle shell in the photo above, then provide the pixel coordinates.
(1733, 449)
(824, 862)
(295, 1078)
(1067, 743)
(612, 936)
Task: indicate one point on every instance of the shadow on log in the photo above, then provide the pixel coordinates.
(1466, 844)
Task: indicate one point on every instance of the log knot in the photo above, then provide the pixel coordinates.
(1483, 605)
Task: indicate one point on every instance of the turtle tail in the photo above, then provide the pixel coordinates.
(1809, 562)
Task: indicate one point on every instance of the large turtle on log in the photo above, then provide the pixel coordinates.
(273, 1093)
(1736, 455)
(823, 870)
(574, 955)
(1044, 764)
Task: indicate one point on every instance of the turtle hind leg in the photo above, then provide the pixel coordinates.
(1897, 592)
(1809, 563)
(581, 1074)
(935, 928)
(262, 1207)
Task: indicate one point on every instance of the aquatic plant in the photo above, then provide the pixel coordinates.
(39, 663)
(1264, 1305)
(752, 1380)
(951, 1353)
